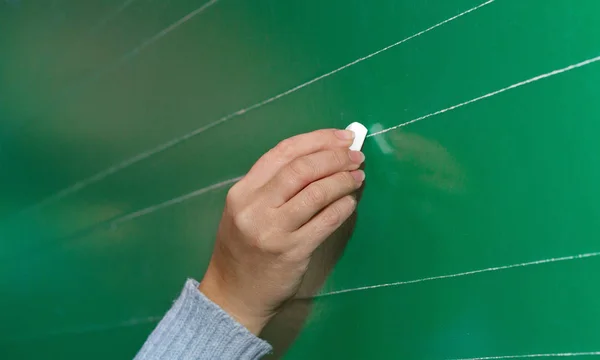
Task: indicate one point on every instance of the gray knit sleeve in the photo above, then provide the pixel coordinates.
(197, 328)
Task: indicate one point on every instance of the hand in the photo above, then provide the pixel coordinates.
(292, 199)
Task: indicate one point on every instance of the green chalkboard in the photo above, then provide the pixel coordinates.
(124, 122)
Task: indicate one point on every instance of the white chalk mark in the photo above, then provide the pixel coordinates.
(171, 202)
(109, 18)
(169, 144)
(90, 328)
(514, 86)
(167, 30)
(528, 356)
(499, 268)
(133, 52)
(384, 146)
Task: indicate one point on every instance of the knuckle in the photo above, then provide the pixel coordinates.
(351, 203)
(324, 136)
(346, 180)
(339, 158)
(260, 242)
(332, 217)
(230, 199)
(337, 213)
(263, 235)
(267, 242)
(244, 220)
(316, 194)
(285, 148)
(233, 195)
(316, 135)
(302, 169)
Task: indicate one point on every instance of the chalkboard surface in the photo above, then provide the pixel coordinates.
(124, 122)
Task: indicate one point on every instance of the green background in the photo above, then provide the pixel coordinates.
(513, 178)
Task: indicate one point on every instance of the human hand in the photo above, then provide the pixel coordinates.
(292, 199)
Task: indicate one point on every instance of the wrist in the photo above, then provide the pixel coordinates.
(232, 304)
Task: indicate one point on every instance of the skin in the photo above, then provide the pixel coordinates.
(292, 199)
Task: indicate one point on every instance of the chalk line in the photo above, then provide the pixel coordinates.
(146, 43)
(527, 356)
(514, 86)
(113, 15)
(168, 29)
(91, 328)
(498, 268)
(171, 202)
(169, 144)
(115, 221)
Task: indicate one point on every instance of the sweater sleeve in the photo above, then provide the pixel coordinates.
(197, 328)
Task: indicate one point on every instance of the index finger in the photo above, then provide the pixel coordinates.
(292, 148)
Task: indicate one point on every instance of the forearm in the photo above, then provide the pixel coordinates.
(196, 328)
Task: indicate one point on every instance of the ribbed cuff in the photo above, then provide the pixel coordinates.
(197, 328)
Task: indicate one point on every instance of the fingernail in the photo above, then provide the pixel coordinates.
(357, 157)
(344, 134)
(358, 175)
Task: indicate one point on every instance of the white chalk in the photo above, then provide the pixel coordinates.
(360, 133)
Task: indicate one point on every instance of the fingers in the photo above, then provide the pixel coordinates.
(302, 171)
(313, 233)
(318, 195)
(289, 149)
